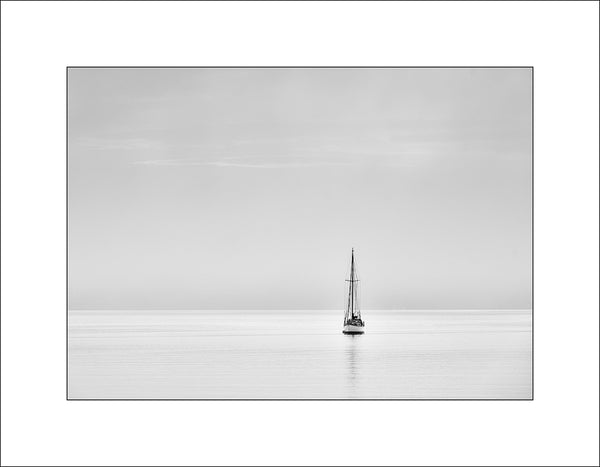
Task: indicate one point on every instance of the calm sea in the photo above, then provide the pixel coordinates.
(422, 354)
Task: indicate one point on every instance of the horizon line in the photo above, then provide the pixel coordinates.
(298, 309)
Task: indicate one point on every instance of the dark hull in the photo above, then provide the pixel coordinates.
(352, 329)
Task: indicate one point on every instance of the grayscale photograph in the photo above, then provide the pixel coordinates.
(306, 233)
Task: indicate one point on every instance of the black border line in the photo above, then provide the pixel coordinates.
(67, 225)
(532, 223)
(291, 66)
(302, 1)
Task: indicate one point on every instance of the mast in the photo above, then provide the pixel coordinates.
(351, 309)
(352, 283)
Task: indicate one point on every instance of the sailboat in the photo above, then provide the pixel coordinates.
(353, 323)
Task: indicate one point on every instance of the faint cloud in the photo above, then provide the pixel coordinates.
(105, 143)
(247, 164)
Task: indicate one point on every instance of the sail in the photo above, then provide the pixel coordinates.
(352, 307)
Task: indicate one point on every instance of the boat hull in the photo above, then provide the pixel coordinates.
(352, 329)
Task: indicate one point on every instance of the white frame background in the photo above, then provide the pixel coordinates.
(560, 39)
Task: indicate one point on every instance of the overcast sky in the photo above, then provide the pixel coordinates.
(247, 188)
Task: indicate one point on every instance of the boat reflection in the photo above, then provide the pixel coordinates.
(352, 356)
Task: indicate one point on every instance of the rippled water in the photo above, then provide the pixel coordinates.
(175, 354)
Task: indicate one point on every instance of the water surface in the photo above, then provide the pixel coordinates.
(420, 354)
